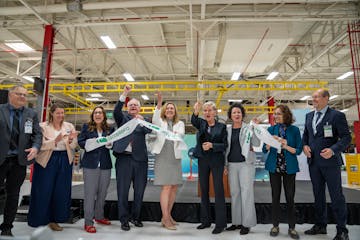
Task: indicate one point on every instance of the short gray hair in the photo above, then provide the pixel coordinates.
(210, 104)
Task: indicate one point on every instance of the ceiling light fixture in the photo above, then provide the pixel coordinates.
(145, 97)
(235, 76)
(92, 99)
(108, 42)
(333, 96)
(345, 75)
(128, 77)
(95, 95)
(235, 100)
(30, 79)
(305, 98)
(19, 46)
(344, 110)
(272, 75)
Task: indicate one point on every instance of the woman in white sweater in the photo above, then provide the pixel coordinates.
(167, 159)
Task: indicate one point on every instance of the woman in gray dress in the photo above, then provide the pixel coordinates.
(167, 159)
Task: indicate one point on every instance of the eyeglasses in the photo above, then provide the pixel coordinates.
(133, 105)
(20, 94)
(98, 112)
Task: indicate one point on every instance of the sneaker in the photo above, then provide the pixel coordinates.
(293, 233)
(274, 231)
(341, 236)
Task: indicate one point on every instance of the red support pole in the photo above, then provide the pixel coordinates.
(271, 103)
(46, 66)
(45, 71)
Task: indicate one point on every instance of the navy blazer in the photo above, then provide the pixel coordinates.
(218, 138)
(99, 155)
(293, 139)
(338, 142)
(137, 138)
(26, 140)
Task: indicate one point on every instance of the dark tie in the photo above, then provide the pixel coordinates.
(318, 115)
(15, 130)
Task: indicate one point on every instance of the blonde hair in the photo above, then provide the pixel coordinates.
(163, 109)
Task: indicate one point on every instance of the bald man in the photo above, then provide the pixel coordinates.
(326, 135)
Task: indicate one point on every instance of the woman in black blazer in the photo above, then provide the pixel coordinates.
(210, 150)
(96, 166)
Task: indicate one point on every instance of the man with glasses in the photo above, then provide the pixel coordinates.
(19, 144)
(131, 162)
(326, 135)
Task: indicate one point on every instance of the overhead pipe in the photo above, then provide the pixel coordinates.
(89, 6)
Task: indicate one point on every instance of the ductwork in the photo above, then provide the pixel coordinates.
(63, 8)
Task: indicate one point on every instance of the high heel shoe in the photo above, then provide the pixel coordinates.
(173, 221)
(168, 225)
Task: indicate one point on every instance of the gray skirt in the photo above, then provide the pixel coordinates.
(167, 168)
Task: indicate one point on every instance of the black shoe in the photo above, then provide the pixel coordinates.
(316, 230)
(203, 225)
(341, 236)
(125, 226)
(217, 230)
(244, 230)
(6, 232)
(233, 227)
(274, 231)
(293, 233)
(137, 223)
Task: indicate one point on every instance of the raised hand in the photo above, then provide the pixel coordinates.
(197, 107)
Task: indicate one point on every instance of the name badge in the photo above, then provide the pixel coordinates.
(328, 131)
(28, 126)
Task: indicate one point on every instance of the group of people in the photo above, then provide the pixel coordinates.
(220, 149)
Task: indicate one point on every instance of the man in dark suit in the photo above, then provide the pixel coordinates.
(326, 135)
(131, 162)
(19, 144)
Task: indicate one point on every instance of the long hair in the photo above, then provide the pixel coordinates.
(92, 125)
(53, 108)
(163, 109)
(288, 117)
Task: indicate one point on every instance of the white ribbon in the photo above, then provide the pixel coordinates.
(127, 129)
(265, 136)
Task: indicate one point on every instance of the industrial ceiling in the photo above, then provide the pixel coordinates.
(189, 50)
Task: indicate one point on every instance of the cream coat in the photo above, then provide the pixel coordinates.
(179, 128)
(255, 142)
(48, 142)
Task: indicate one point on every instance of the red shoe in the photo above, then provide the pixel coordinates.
(103, 221)
(90, 229)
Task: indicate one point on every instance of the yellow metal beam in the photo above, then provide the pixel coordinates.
(209, 85)
(182, 110)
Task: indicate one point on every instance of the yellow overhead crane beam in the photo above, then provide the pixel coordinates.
(210, 85)
(182, 110)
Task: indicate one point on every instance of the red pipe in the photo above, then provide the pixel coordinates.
(257, 48)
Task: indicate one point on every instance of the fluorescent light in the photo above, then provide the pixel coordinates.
(30, 79)
(219, 110)
(235, 76)
(235, 100)
(95, 95)
(145, 97)
(19, 46)
(272, 75)
(305, 98)
(333, 96)
(108, 42)
(92, 99)
(344, 110)
(345, 75)
(266, 121)
(128, 77)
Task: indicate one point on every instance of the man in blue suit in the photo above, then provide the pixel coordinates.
(20, 142)
(326, 135)
(131, 162)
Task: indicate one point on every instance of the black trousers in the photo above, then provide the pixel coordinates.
(130, 171)
(220, 208)
(12, 176)
(276, 180)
